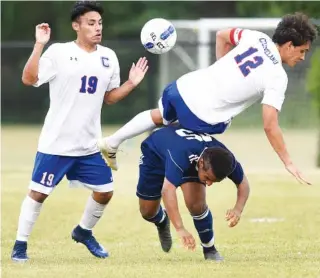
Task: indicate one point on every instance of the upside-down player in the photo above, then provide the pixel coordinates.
(249, 68)
(175, 157)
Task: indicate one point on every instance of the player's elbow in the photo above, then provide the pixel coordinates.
(223, 35)
(109, 101)
(28, 80)
(270, 127)
(219, 34)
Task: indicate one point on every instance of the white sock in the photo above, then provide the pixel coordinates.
(92, 213)
(138, 125)
(30, 210)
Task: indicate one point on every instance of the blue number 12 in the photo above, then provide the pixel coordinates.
(90, 86)
(248, 64)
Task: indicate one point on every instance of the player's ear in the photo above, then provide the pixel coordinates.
(75, 26)
(290, 45)
(200, 163)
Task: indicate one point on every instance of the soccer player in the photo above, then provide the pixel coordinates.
(248, 68)
(175, 157)
(82, 74)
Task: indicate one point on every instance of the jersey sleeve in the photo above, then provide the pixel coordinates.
(236, 35)
(237, 174)
(47, 66)
(274, 93)
(174, 168)
(115, 79)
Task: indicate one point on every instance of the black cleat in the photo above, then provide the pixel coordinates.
(165, 235)
(212, 254)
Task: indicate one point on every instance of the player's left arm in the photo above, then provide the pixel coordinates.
(226, 39)
(243, 190)
(273, 98)
(136, 75)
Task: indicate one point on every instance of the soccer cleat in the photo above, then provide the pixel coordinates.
(109, 154)
(86, 238)
(165, 235)
(212, 254)
(19, 252)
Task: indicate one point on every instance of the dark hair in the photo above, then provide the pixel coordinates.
(82, 7)
(221, 162)
(296, 28)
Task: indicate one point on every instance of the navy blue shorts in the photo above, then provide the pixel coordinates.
(173, 108)
(90, 171)
(152, 172)
(151, 175)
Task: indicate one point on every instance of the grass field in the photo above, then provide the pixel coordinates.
(286, 245)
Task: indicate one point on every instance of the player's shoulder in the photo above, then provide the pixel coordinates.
(107, 51)
(249, 35)
(279, 75)
(60, 47)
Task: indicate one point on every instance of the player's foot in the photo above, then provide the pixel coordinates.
(212, 254)
(109, 153)
(19, 252)
(165, 235)
(86, 238)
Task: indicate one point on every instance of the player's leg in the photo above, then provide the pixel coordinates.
(145, 121)
(47, 173)
(149, 192)
(92, 172)
(195, 198)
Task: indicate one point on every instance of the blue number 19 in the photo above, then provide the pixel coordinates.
(248, 64)
(90, 86)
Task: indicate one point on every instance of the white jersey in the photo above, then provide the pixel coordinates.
(78, 81)
(250, 71)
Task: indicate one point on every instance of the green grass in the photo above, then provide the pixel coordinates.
(287, 248)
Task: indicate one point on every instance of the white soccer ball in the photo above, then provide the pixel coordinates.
(158, 36)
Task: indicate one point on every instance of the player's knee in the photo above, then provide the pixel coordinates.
(37, 196)
(156, 117)
(196, 208)
(102, 197)
(147, 212)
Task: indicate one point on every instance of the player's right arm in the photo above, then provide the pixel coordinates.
(31, 69)
(170, 200)
(226, 39)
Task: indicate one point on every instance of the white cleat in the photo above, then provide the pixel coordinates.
(109, 154)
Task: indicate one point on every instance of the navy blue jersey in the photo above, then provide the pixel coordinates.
(176, 151)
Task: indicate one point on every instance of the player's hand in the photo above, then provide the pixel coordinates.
(233, 217)
(43, 32)
(296, 173)
(187, 239)
(138, 71)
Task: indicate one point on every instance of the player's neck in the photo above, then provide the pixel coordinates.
(86, 46)
(280, 51)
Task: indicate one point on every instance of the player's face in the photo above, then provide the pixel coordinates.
(295, 54)
(90, 28)
(206, 175)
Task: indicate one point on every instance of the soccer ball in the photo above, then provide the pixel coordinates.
(158, 36)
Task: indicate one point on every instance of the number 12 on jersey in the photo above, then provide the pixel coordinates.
(248, 64)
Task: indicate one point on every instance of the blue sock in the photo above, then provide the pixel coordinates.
(160, 219)
(204, 226)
